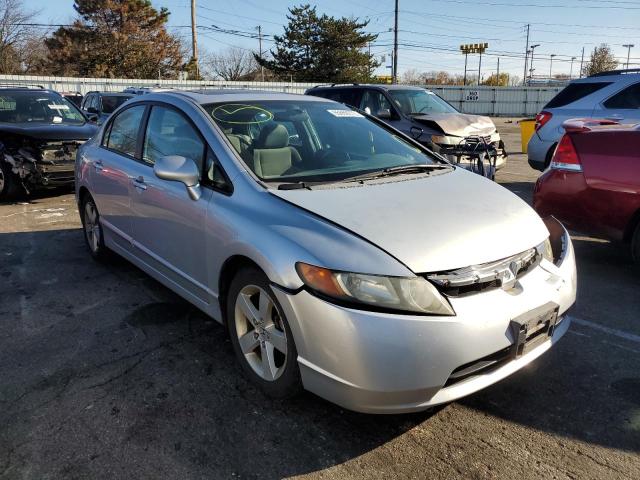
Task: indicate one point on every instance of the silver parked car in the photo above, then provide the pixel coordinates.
(611, 95)
(320, 238)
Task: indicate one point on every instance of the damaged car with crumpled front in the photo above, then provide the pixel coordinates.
(461, 138)
(40, 132)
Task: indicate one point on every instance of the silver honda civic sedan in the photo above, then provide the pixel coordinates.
(342, 256)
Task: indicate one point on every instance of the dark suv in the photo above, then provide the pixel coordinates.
(423, 115)
(98, 106)
(40, 131)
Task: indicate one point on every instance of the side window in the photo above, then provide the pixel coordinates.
(374, 103)
(170, 133)
(629, 98)
(87, 101)
(123, 134)
(215, 176)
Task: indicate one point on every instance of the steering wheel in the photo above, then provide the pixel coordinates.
(331, 155)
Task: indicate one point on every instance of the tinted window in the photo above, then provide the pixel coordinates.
(170, 133)
(574, 92)
(373, 102)
(348, 96)
(110, 103)
(627, 98)
(123, 135)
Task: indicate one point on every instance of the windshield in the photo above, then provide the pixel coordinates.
(414, 102)
(310, 141)
(109, 104)
(38, 107)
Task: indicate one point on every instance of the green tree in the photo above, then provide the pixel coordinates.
(321, 48)
(602, 60)
(116, 38)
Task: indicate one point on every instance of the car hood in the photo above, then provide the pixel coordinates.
(44, 131)
(434, 223)
(458, 124)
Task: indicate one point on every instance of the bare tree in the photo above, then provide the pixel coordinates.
(15, 32)
(231, 64)
(602, 60)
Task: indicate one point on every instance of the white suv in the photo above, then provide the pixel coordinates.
(612, 95)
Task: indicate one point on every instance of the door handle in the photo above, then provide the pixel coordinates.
(138, 182)
(97, 164)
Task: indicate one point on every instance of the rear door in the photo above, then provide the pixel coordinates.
(110, 177)
(624, 106)
(168, 226)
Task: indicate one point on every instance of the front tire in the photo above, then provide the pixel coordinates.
(92, 229)
(9, 182)
(261, 336)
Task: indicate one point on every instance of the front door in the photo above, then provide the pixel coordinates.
(167, 225)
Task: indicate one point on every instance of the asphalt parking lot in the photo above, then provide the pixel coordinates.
(104, 373)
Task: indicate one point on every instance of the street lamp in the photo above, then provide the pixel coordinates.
(533, 47)
(571, 70)
(551, 65)
(629, 46)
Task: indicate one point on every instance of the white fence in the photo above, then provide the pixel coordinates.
(498, 101)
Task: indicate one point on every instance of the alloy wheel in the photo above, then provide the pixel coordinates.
(92, 226)
(261, 334)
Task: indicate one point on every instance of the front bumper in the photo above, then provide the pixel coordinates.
(391, 363)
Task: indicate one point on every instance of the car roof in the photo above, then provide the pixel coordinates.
(237, 95)
(380, 86)
(613, 76)
(34, 91)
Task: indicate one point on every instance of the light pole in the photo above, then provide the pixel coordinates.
(533, 47)
(551, 65)
(628, 46)
(571, 69)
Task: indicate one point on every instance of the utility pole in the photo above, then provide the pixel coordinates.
(479, 66)
(571, 69)
(259, 27)
(464, 80)
(395, 46)
(628, 46)
(551, 66)
(498, 74)
(581, 62)
(526, 57)
(194, 38)
(533, 47)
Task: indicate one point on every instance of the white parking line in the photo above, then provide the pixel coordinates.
(632, 337)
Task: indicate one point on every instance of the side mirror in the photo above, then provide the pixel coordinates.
(93, 118)
(92, 110)
(384, 114)
(176, 168)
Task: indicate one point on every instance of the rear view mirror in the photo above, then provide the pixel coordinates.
(176, 168)
(385, 113)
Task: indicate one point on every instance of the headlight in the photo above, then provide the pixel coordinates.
(545, 250)
(555, 246)
(408, 294)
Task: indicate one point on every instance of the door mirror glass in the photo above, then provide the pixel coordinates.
(176, 168)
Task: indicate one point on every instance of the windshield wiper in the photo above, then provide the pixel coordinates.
(399, 170)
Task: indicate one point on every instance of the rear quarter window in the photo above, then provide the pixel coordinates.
(574, 92)
(629, 98)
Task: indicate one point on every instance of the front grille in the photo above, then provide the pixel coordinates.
(479, 278)
(480, 367)
(61, 152)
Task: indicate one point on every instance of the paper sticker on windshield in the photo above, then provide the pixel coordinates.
(344, 113)
(58, 107)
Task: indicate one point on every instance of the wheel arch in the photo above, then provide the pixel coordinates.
(230, 268)
(631, 226)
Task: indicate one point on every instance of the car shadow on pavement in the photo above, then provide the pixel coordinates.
(105, 370)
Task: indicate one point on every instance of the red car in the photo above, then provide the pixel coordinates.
(593, 182)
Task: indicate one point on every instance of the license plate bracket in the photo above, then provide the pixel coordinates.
(533, 328)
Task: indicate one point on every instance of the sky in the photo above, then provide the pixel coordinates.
(430, 31)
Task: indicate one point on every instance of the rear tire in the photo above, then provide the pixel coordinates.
(9, 182)
(92, 229)
(261, 336)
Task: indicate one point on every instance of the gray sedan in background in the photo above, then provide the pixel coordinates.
(320, 238)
